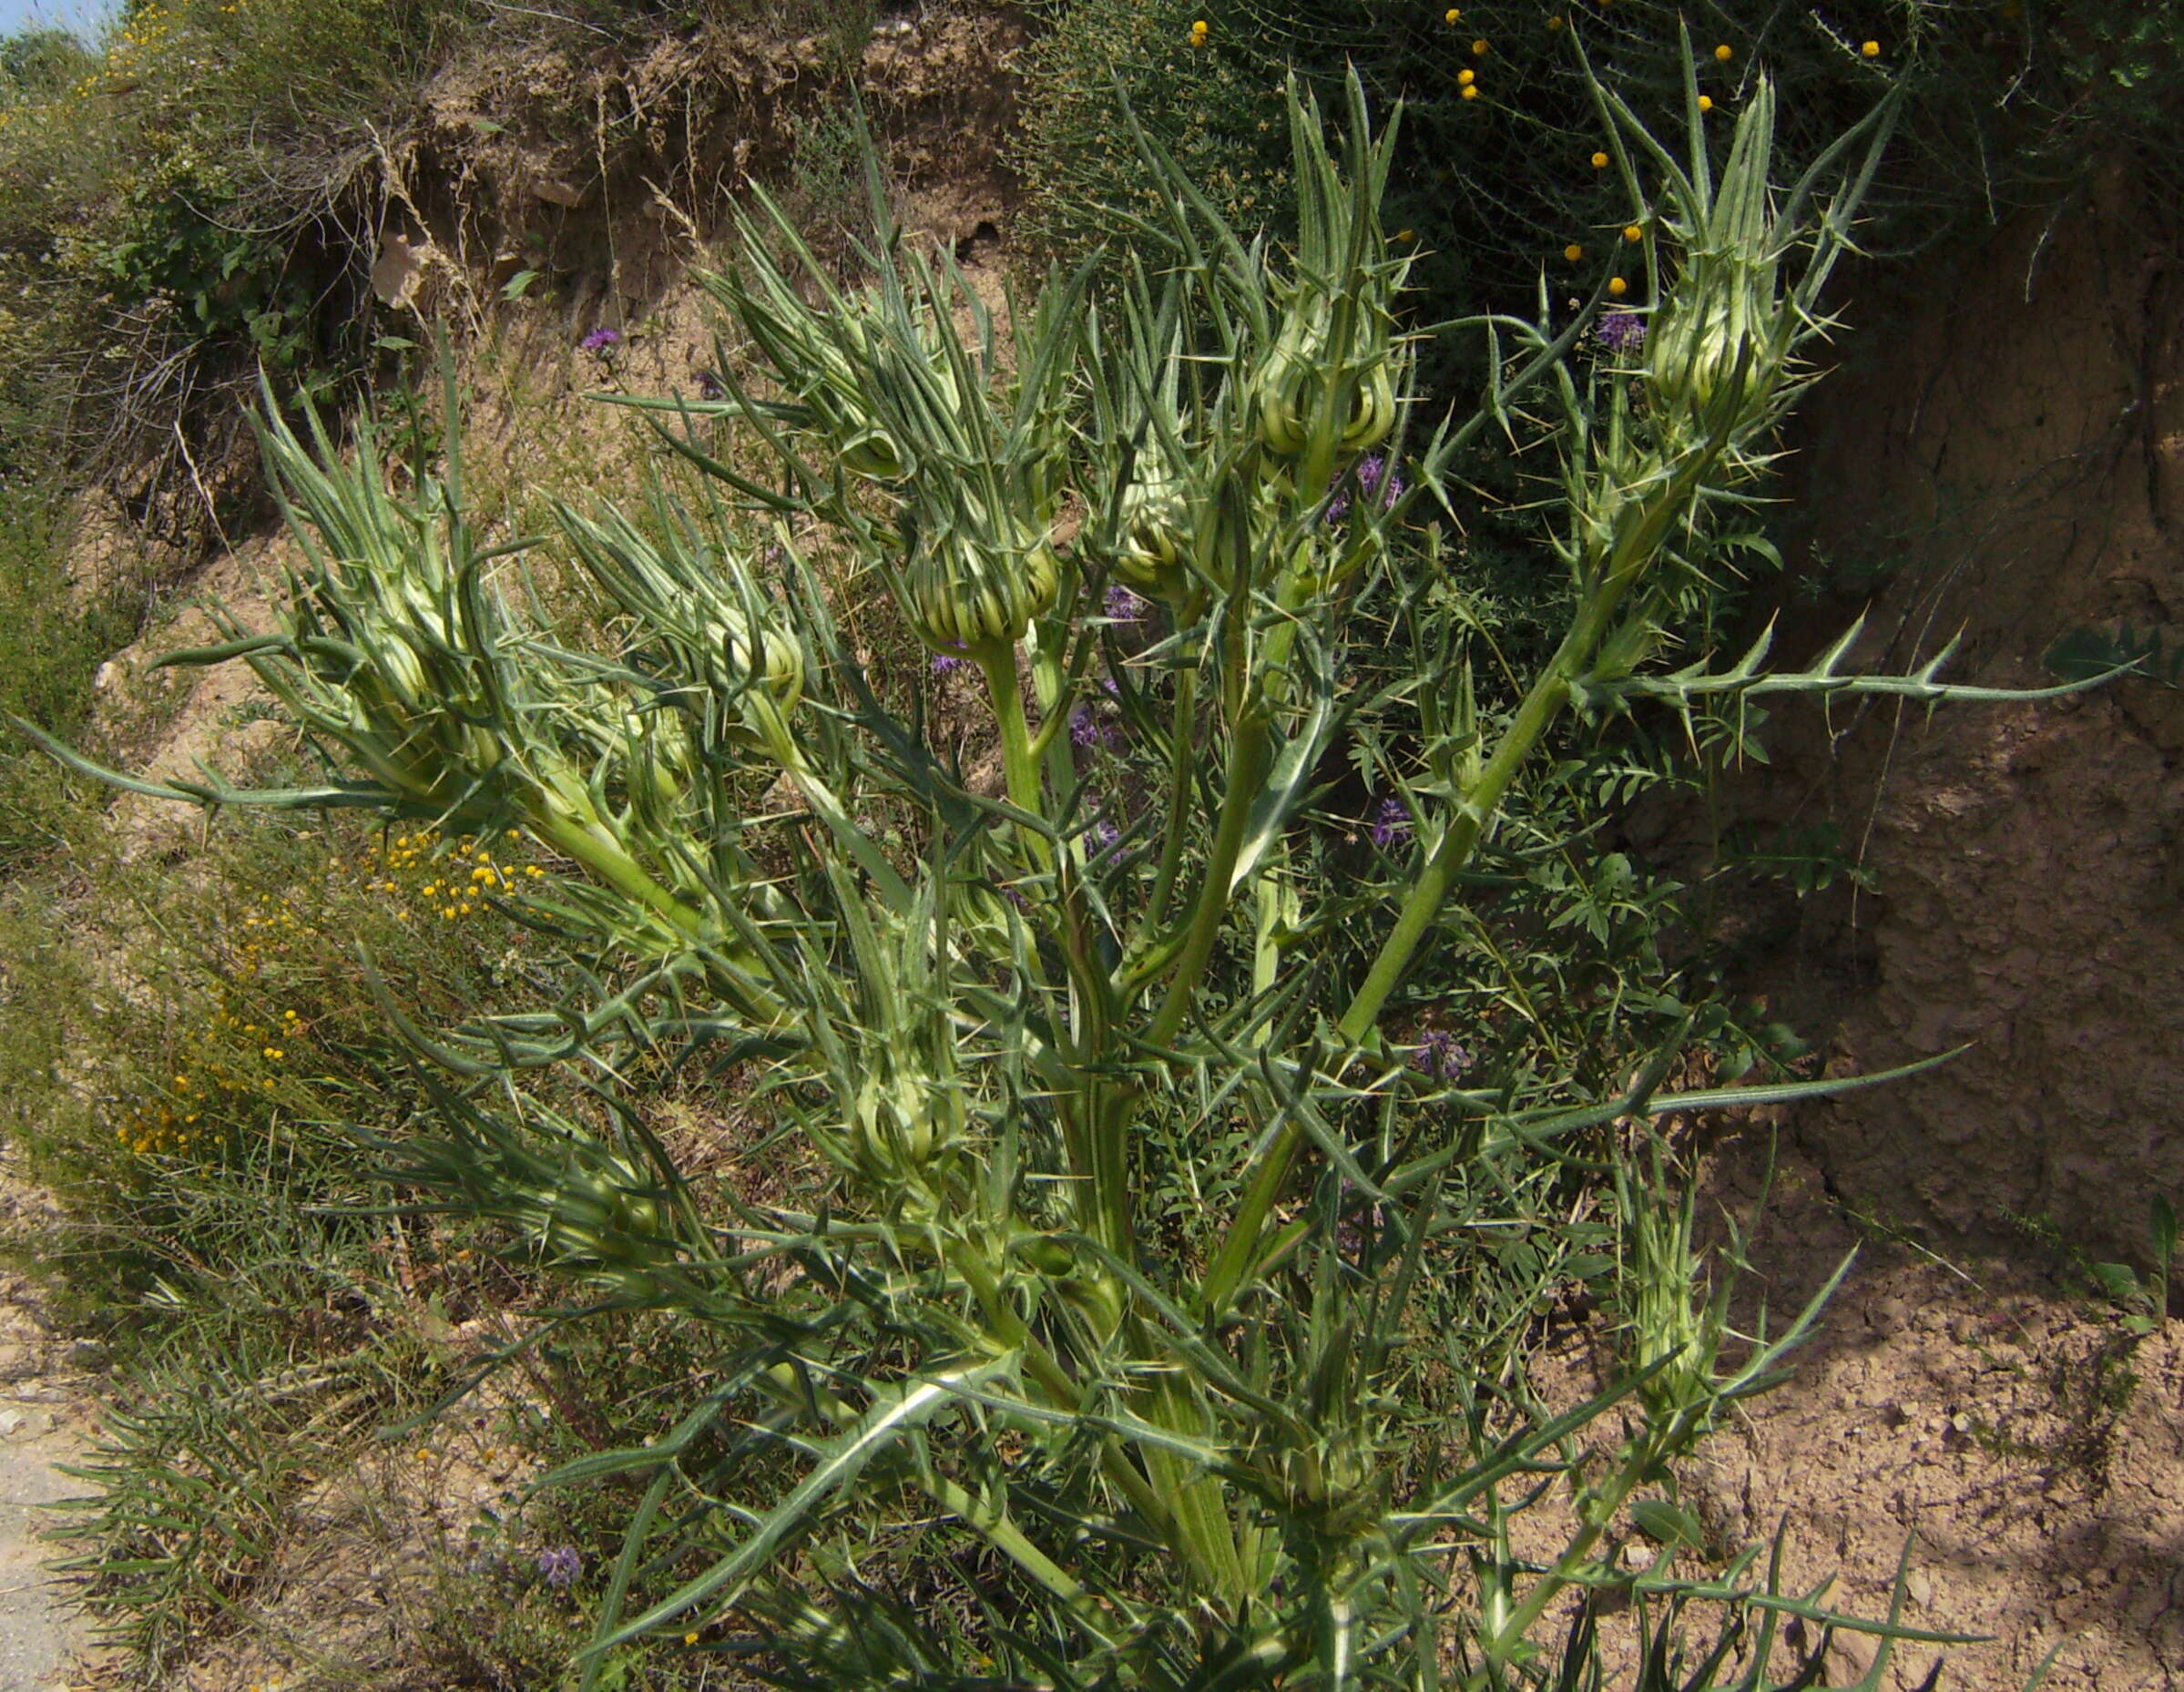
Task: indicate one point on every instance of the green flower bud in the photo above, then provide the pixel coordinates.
(959, 592)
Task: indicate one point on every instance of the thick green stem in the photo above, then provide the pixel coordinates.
(1019, 761)
(1180, 765)
(1254, 689)
(1247, 756)
(606, 860)
(998, 1529)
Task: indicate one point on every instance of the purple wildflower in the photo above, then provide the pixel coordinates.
(1354, 1232)
(1620, 331)
(559, 1567)
(1391, 823)
(600, 338)
(710, 387)
(1125, 606)
(1085, 729)
(948, 663)
(1440, 1057)
(1374, 477)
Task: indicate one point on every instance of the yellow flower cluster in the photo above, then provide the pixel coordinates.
(457, 887)
(1199, 32)
(175, 1126)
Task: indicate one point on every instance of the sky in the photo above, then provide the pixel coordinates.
(81, 15)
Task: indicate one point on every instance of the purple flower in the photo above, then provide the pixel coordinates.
(1373, 476)
(1089, 730)
(1125, 606)
(1620, 331)
(1440, 1057)
(600, 338)
(1391, 823)
(1351, 1236)
(947, 663)
(559, 1567)
(710, 387)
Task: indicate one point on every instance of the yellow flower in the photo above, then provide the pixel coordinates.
(1478, 49)
(1555, 22)
(1599, 161)
(690, 1637)
(1470, 92)
(1724, 53)
(1617, 286)
(1872, 49)
(1706, 102)
(1466, 77)
(1451, 16)
(1573, 252)
(1631, 232)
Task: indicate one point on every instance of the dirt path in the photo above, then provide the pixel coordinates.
(47, 1379)
(39, 1635)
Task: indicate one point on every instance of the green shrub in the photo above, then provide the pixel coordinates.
(2004, 104)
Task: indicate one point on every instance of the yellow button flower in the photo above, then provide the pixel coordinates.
(1451, 16)
(1573, 252)
(1599, 161)
(1872, 49)
(1631, 232)
(1466, 76)
(1706, 102)
(1469, 91)
(1478, 49)
(1617, 286)
(1724, 53)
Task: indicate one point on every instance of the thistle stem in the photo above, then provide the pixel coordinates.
(1019, 760)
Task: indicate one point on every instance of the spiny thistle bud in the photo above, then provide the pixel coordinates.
(659, 758)
(1157, 524)
(1722, 336)
(705, 603)
(898, 1123)
(741, 660)
(1305, 376)
(599, 1213)
(960, 592)
(1324, 389)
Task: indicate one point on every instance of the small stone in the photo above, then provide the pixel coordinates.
(1854, 1653)
(11, 1423)
(1920, 1585)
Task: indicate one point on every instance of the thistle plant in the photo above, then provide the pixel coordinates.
(1147, 1452)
